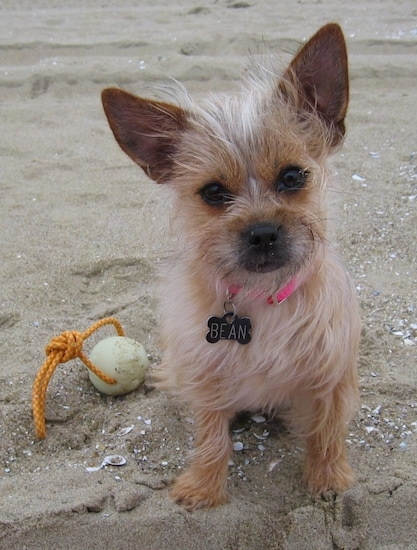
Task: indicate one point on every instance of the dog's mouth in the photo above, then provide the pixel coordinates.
(264, 267)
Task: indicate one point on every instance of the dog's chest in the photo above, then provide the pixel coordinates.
(258, 373)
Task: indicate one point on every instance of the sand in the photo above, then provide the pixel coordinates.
(83, 231)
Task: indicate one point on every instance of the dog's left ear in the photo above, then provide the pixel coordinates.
(319, 72)
(146, 130)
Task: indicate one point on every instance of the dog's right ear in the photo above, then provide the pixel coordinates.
(319, 73)
(146, 130)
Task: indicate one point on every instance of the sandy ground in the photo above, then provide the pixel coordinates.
(81, 237)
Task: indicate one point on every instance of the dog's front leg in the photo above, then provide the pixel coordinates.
(326, 466)
(204, 483)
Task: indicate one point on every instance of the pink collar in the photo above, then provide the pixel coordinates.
(277, 298)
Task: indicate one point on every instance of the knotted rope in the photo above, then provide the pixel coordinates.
(61, 349)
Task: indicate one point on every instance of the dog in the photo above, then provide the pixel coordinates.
(259, 312)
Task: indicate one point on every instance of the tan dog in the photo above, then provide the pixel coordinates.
(259, 312)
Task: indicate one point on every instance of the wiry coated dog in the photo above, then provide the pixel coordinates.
(258, 310)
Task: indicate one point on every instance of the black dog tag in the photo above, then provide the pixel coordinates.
(229, 327)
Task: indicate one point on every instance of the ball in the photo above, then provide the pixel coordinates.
(121, 358)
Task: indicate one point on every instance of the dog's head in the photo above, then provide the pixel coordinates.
(248, 169)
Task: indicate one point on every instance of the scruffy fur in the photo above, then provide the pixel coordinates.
(249, 177)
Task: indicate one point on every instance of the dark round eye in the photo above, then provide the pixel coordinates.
(215, 194)
(291, 178)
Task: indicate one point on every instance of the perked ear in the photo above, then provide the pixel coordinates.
(146, 130)
(319, 72)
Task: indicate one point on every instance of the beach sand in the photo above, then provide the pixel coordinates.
(83, 232)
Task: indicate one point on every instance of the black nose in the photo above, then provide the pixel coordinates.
(265, 247)
(262, 236)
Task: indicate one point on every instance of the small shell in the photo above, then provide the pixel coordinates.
(258, 418)
(264, 435)
(238, 446)
(273, 465)
(238, 430)
(370, 429)
(91, 469)
(114, 460)
(125, 431)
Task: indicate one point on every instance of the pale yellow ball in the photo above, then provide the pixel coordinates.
(121, 358)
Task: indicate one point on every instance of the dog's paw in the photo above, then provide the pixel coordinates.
(194, 494)
(321, 477)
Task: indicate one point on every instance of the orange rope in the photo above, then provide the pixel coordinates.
(61, 349)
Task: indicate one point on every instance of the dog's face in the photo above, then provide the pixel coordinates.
(248, 192)
(248, 169)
